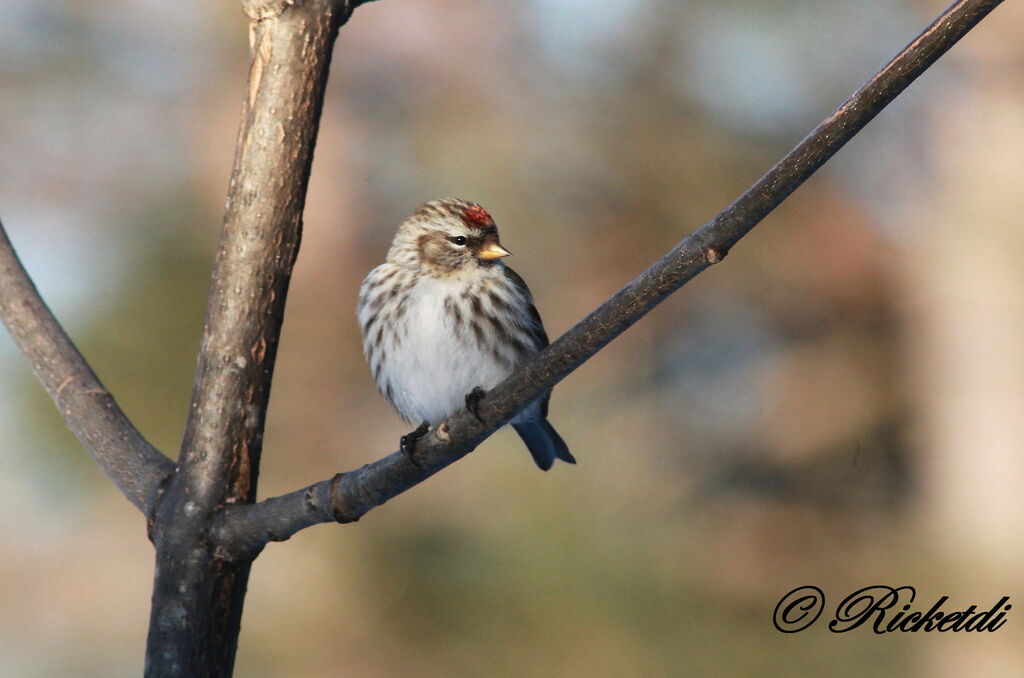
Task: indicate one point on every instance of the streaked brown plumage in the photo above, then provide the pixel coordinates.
(444, 316)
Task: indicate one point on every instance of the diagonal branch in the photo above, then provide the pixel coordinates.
(135, 466)
(347, 496)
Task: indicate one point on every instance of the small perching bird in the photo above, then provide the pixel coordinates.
(444, 320)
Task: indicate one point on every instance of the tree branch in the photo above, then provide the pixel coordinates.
(88, 409)
(197, 597)
(347, 496)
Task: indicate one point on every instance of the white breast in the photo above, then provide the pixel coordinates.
(435, 366)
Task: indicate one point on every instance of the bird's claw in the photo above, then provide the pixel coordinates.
(473, 399)
(407, 443)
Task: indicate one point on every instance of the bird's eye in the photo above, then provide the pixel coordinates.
(458, 239)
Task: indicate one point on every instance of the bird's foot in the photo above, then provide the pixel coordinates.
(473, 399)
(407, 443)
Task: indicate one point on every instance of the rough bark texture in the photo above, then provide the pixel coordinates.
(198, 591)
(348, 496)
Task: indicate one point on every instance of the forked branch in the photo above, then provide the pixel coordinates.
(198, 593)
(347, 496)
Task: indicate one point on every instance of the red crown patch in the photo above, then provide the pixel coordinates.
(474, 215)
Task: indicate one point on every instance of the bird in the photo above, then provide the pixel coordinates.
(444, 320)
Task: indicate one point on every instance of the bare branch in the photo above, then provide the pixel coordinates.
(347, 496)
(135, 466)
(197, 597)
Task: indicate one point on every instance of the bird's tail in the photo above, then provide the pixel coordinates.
(543, 442)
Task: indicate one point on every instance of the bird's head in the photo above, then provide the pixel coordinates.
(448, 235)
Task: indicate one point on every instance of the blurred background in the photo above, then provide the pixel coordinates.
(840, 403)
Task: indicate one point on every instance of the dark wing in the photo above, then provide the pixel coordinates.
(536, 326)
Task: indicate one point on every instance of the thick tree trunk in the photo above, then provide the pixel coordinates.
(199, 591)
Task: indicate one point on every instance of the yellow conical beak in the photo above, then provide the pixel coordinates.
(493, 251)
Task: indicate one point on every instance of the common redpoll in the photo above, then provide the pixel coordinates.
(444, 320)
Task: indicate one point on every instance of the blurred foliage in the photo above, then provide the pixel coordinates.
(145, 344)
